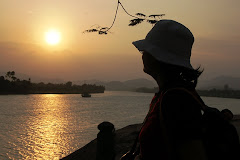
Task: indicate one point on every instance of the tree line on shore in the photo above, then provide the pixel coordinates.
(10, 84)
(226, 92)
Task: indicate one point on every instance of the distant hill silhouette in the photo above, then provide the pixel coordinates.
(129, 85)
(219, 82)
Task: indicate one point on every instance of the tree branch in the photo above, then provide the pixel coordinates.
(133, 22)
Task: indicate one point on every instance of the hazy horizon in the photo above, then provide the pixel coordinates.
(79, 56)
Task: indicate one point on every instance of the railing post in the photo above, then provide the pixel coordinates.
(105, 141)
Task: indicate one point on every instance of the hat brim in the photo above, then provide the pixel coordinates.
(161, 54)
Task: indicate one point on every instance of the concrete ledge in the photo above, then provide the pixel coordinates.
(124, 140)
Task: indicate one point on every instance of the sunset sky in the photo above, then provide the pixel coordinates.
(70, 54)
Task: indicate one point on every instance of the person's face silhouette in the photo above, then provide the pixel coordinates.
(152, 67)
(148, 63)
(228, 116)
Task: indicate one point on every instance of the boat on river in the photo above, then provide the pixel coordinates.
(86, 95)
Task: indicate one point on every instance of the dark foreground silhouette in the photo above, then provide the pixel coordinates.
(124, 139)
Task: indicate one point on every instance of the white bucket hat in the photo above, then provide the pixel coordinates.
(169, 42)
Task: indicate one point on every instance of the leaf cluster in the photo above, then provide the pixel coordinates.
(98, 29)
(152, 19)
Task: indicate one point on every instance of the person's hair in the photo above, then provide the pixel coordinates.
(190, 76)
(178, 74)
(227, 110)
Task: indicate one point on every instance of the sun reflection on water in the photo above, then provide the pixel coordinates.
(46, 126)
(45, 136)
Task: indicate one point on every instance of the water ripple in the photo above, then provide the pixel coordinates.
(51, 126)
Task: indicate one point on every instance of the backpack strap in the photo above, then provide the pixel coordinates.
(170, 148)
(162, 125)
(194, 95)
(166, 139)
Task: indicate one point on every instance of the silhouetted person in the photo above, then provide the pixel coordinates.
(220, 136)
(227, 114)
(172, 129)
(105, 141)
(231, 138)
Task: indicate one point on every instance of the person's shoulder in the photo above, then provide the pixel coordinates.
(180, 99)
(179, 107)
(178, 94)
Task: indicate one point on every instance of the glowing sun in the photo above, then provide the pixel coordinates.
(52, 37)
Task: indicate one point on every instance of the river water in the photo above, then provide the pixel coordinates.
(50, 126)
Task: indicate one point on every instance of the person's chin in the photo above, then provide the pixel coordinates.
(150, 73)
(147, 71)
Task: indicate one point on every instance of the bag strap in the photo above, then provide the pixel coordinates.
(162, 125)
(164, 130)
(166, 139)
(194, 94)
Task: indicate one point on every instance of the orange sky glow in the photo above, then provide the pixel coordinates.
(82, 56)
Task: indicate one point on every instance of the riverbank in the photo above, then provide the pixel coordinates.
(49, 93)
(205, 93)
(11, 85)
(124, 139)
